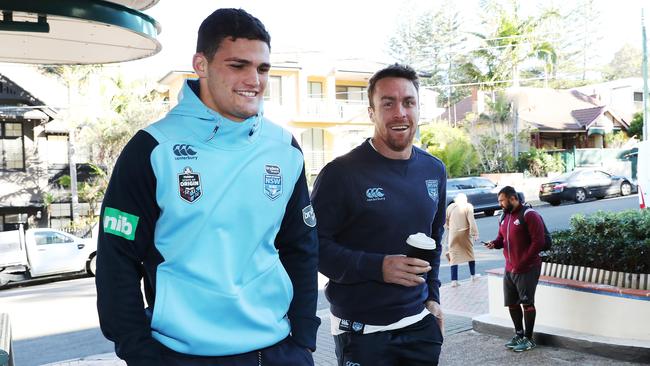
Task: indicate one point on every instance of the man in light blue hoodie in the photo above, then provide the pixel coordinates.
(210, 207)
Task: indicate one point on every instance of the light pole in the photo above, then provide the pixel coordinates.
(645, 78)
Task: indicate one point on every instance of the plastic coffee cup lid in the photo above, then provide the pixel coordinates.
(422, 241)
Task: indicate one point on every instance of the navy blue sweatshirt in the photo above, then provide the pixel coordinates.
(366, 206)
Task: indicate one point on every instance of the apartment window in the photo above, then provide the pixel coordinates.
(351, 93)
(313, 145)
(273, 92)
(60, 210)
(316, 90)
(638, 97)
(12, 149)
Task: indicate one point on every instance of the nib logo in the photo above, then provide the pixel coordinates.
(120, 223)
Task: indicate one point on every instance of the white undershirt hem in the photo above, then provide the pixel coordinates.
(403, 323)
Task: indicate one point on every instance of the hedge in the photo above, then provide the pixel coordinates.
(613, 241)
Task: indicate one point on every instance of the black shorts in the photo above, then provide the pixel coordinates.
(519, 288)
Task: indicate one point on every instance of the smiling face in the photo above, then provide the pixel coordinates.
(233, 82)
(395, 114)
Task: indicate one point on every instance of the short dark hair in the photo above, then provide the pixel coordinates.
(393, 71)
(509, 192)
(229, 22)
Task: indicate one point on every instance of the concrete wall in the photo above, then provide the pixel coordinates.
(594, 312)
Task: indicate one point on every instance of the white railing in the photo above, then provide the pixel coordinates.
(315, 160)
(328, 110)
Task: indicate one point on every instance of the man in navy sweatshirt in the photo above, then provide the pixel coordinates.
(521, 243)
(385, 306)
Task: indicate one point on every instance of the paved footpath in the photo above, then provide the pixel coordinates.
(462, 345)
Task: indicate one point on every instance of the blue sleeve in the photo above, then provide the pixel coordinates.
(338, 263)
(297, 243)
(437, 229)
(129, 213)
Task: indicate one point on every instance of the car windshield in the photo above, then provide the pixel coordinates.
(563, 177)
(456, 184)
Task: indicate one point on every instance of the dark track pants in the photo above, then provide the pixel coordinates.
(284, 353)
(416, 345)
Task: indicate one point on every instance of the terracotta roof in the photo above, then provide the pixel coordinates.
(551, 109)
(586, 116)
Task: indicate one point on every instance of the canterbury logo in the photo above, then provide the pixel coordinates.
(375, 194)
(184, 150)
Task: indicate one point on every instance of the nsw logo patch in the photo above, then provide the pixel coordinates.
(272, 181)
(189, 185)
(308, 216)
(432, 189)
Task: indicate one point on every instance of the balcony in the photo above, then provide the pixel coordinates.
(336, 111)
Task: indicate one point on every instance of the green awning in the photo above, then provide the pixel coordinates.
(596, 131)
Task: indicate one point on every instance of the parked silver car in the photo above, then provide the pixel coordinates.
(481, 192)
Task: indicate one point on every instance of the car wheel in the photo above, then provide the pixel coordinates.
(555, 203)
(92, 266)
(489, 212)
(626, 188)
(581, 195)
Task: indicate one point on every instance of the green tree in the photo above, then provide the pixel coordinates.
(428, 42)
(495, 147)
(575, 34)
(452, 145)
(636, 126)
(128, 107)
(91, 191)
(75, 78)
(626, 63)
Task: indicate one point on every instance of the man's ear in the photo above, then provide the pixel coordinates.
(200, 65)
(371, 114)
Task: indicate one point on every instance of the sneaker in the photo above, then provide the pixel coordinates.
(475, 277)
(525, 345)
(454, 284)
(514, 341)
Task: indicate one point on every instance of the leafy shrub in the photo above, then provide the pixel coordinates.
(613, 241)
(451, 145)
(539, 163)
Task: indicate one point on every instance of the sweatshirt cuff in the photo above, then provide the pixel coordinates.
(304, 330)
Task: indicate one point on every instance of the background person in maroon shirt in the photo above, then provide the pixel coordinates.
(521, 243)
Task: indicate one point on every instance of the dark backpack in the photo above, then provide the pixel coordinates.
(548, 241)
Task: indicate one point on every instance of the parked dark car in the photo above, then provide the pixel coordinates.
(481, 192)
(579, 185)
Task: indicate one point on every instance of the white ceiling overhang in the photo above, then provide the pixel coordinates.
(76, 31)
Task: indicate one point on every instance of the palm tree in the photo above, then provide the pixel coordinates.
(512, 41)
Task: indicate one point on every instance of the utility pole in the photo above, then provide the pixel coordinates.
(645, 79)
(74, 205)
